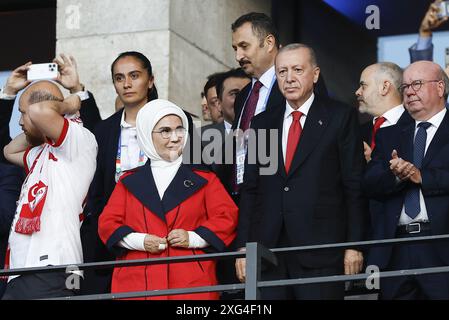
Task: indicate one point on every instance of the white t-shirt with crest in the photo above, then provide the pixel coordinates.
(67, 168)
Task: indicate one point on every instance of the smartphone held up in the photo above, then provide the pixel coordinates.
(42, 71)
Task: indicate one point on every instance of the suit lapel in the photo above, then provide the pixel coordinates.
(141, 185)
(316, 123)
(274, 97)
(406, 147)
(279, 125)
(184, 185)
(240, 104)
(439, 140)
(113, 144)
(405, 119)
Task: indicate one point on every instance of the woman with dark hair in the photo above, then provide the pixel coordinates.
(146, 64)
(133, 80)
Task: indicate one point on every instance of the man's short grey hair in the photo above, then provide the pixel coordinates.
(392, 72)
(40, 95)
(296, 46)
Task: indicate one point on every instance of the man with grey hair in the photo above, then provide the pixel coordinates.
(314, 197)
(409, 173)
(379, 96)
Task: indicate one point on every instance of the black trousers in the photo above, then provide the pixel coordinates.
(413, 256)
(38, 286)
(289, 267)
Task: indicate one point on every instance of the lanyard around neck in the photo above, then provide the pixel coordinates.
(118, 159)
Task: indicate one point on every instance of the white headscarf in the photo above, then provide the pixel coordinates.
(163, 171)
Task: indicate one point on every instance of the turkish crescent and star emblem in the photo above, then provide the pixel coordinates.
(36, 194)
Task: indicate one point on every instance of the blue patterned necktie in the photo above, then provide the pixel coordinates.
(411, 202)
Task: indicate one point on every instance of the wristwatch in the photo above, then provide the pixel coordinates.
(83, 94)
(4, 96)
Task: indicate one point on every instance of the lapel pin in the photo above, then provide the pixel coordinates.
(320, 122)
(188, 183)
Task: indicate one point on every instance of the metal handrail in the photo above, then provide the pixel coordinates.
(254, 254)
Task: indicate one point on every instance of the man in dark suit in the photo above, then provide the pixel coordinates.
(228, 86)
(255, 41)
(218, 137)
(314, 195)
(213, 103)
(379, 96)
(409, 173)
(11, 178)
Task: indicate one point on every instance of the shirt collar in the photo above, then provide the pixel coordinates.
(228, 126)
(436, 120)
(123, 123)
(393, 114)
(304, 109)
(266, 78)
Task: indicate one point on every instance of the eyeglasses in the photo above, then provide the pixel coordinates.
(416, 85)
(166, 133)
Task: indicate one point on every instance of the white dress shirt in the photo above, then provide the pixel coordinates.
(392, 116)
(422, 216)
(228, 127)
(288, 119)
(130, 151)
(267, 80)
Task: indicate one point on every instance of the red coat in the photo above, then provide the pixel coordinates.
(194, 201)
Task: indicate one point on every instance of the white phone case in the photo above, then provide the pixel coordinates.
(42, 71)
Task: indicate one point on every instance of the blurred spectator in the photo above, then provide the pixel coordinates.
(204, 108)
(166, 209)
(423, 49)
(11, 178)
(228, 87)
(210, 92)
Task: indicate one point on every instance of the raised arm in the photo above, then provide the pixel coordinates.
(15, 150)
(47, 116)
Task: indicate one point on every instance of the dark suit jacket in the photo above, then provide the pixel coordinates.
(367, 127)
(6, 107)
(274, 99)
(376, 207)
(11, 178)
(221, 169)
(380, 184)
(89, 113)
(320, 200)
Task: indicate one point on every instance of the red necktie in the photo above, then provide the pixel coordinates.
(379, 121)
(294, 133)
(250, 106)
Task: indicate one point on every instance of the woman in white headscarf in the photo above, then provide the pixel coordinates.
(167, 209)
